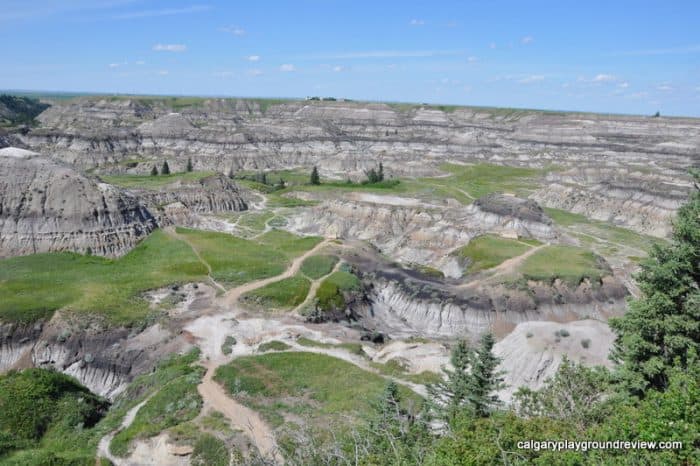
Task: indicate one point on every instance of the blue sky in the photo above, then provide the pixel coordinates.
(606, 56)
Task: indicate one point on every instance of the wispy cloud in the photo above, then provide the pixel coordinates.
(531, 79)
(19, 10)
(527, 40)
(383, 54)
(604, 78)
(163, 72)
(665, 51)
(472, 59)
(338, 68)
(234, 30)
(253, 58)
(140, 62)
(416, 22)
(162, 12)
(287, 67)
(255, 72)
(170, 48)
(664, 87)
(623, 85)
(223, 74)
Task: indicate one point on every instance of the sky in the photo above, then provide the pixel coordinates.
(604, 56)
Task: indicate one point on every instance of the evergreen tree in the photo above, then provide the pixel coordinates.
(471, 385)
(189, 165)
(230, 173)
(663, 325)
(281, 184)
(166, 168)
(380, 173)
(315, 178)
(154, 171)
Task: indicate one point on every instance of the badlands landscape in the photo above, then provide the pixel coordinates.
(235, 281)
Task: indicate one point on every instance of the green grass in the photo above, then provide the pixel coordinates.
(395, 368)
(315, 386)
(592, 232)
(319, 266)
(210, 451)
(34, 286)
(235, 260)
(568, 263)
(281, 295)
(175, 402)
(330, 294)
(487, 251)
(355, 348)
(153, 182)
(255, 221)
(274, 345)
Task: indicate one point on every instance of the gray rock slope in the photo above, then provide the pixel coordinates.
(347, 137)
(46, 206)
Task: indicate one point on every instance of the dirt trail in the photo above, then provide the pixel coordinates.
(215, 396)
(170, 231)
(103, 446)
(313, 288)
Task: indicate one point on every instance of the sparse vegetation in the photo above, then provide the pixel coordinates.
(318, 266)
(487, 251)
(273, 345)
(280, 295)
(151, 181)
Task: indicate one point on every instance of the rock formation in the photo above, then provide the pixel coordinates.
(46, 206)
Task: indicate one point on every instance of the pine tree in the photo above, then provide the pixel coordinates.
(166, 168)
(154, 171)
(230, 173)
(471, 385)
(380, 173)
(663, 325)
(315, 178)
(281, 184)
(189, 165)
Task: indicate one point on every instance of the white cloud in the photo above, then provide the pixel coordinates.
(338, 68)
(255, 72)
(604, 78)
(162, 12)
(532, 79)
(170, 48)
(472, 59)
(235, 30)
(114, 65)
(623, 85)
(253, 58)
(668, 51)
(638, 95)
(384, 54)
(140, 62)
(163, 72)
(287, 67)
(664, 87)
(527, 40)
(417, 22)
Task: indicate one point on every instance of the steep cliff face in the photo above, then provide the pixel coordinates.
(345, 137)
(103, 360)
(403, 307)
(45, 206)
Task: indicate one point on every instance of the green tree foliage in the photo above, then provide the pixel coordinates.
(380, 172)
(315, 179)
(165, 170)
(473, 383)
(189, 165)
(154, 171)
(35, 400)
(575, 393)
(663, 325)
(19, 110)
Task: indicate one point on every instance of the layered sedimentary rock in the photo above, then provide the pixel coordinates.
(46, 206)
(348, 137)
(416, 232)
(215, 193)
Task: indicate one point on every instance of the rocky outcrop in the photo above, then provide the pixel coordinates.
(346, 138)
(215, 193)
(416, 232)
(104, 360)
(46, 206)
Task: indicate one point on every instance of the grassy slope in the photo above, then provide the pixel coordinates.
(280, 295)
(318, 266)
(330, 293)
(152, 182)
(34, 286)
(489, 251)
(315, 386)
(569, 263)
